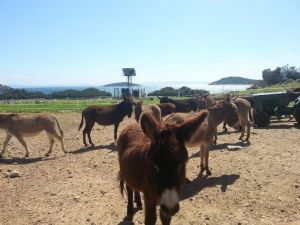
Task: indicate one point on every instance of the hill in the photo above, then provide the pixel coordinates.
(4, 88)
(120, 84)
(234, 80)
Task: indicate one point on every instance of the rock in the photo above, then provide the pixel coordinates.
(14, 174)
(76, 198)
(6, 174)
(234, 147)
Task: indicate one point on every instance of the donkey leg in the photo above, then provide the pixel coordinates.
(164, 219)
(60, 138)
(202, 168)
(150, 212)
(208, 172)
(248, 132)
(116, 131)
(129, 203)
(22, 141)
(8, 137)
(137, 200)
(224, 127)
(83, 136)
(243, 132)
(51, 139)
(90, 126)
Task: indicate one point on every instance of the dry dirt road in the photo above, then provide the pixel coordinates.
(258, 184)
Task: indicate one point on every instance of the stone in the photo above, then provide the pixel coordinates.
(234, 147)
(77, 198)
(14, 174)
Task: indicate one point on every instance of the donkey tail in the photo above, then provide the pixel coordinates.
(81, 123)
(250, 115)
(121, 183)
(59, 128)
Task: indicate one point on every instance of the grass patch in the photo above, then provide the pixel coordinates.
(273, 88)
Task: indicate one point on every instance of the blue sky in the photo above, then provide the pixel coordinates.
(59, 42)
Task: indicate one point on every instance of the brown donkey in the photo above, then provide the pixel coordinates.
(166, 108)
(105, 115)
(154, 109)
(152, 159)
(21, 126)
(206, 136)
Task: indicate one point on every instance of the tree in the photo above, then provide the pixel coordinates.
(272, 76)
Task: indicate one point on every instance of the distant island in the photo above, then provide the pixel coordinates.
(234, 80)
(120, 84)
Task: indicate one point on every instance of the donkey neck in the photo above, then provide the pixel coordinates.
(216, 115)
(119, 109)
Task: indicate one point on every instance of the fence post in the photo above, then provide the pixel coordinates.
(54, 105)
(77, 104)
(22, 108)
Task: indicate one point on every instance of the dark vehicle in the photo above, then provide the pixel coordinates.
(270, 104)
(297, 110)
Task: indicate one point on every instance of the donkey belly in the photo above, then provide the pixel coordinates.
(106, 121)
(31, 134)
(134, 171)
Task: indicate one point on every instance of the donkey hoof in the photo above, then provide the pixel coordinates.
(208, 172)
(201, 174)
(187, 180)
(139, 206)
(128, 217)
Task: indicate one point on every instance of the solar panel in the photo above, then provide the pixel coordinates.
(128, 72)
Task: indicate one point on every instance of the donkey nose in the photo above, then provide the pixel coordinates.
(169, 211)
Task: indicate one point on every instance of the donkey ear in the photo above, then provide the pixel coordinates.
(228, 98)
(149, 125)
(186, 130)
(159, 97)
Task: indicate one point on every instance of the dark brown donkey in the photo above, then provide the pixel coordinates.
(105, 115)
(152, 159)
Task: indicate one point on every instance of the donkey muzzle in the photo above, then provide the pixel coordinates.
(169, 202)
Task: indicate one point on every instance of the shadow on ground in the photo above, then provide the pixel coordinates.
(110, 147)
(24, 161)
(195, 186)
(224, 147)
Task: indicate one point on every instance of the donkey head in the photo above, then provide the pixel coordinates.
(138, 109)
(127, 104)
(231, 112)
(164, 99)
(168, 156)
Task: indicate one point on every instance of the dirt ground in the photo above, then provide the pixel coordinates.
(258, 184)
